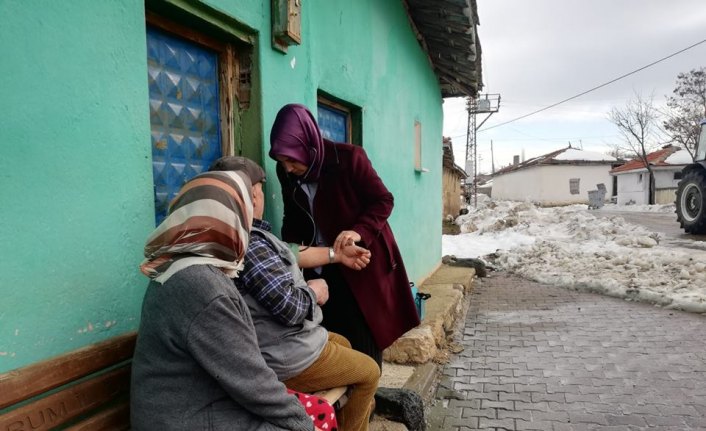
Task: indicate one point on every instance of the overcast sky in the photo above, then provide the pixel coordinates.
(539, 52)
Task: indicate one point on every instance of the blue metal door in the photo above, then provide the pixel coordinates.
(184, 113)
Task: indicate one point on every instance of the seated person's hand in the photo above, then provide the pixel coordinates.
(346, 237)
(320, 288)
(355, 257)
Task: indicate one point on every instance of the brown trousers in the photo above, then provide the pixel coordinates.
(339, 365)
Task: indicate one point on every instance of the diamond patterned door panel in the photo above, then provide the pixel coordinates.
(184, 113)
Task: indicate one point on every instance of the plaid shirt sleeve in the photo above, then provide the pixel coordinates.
(267, 278)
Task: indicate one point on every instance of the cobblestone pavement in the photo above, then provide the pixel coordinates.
(538, 357)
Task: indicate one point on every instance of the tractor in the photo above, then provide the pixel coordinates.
(691, 193)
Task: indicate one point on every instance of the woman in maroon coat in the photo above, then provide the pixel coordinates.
(332, 197)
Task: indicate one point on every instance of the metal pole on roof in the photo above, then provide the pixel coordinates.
(492, 158)
(482, 104)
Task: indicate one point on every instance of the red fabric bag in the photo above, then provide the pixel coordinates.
(320, 411)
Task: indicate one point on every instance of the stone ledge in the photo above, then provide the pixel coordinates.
(416, 346)
(420, 345)
(443, 311)
(422, 380)
(452, 275)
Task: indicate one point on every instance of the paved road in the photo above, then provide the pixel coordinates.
(546, 358)
(664, 223)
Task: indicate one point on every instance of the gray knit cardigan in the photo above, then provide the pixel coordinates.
(197, 365)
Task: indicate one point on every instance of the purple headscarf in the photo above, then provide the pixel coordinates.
(296, 135)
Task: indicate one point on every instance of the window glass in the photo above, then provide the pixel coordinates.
(574, 186)
(333, 123)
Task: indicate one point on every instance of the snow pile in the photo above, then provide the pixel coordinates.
(580, 155)
(568, 246)
(679, 157)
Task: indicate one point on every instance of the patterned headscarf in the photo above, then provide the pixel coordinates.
(209, 223)
(296, 135)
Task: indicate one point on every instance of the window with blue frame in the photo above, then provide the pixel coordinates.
(339, 121)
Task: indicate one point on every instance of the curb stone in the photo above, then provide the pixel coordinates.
(445, 312)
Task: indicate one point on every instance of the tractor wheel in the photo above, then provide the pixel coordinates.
(691, 202)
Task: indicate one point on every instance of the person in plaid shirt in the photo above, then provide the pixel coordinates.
(286, 311)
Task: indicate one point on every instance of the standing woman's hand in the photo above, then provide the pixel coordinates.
(346, 237)
(354, 257)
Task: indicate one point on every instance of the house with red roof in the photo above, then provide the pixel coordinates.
(561, 177)
(633, 182)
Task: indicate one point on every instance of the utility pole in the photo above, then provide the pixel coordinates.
(492, 158)
(482, 104)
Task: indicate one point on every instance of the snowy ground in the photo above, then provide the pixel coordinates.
(570, 247)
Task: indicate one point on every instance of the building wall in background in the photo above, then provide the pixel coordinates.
(550, 184)
(633, 188)
(664, 177)
(665, 185)
(451, 193)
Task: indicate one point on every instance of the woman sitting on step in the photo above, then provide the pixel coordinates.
(197, 365)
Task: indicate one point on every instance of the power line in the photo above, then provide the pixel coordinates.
(536, 138)
(594, 88)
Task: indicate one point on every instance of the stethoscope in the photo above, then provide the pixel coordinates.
(298, 185)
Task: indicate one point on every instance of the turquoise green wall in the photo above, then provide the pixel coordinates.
(75, 171)
(75, 174)
(365, 52)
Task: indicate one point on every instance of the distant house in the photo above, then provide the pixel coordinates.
(558, 178)
(633, 176)
(452, 190)
(485, 184)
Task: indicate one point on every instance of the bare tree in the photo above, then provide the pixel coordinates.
(638, 125)
(686, 108)
(620, 153)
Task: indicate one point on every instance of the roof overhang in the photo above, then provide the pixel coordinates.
(655, 168)
(551, 163)
(446, 30)
(460, 172)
